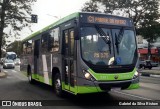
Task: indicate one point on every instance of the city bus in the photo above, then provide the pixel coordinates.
(11, 55)
(83, 53)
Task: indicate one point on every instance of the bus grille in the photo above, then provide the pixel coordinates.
(108, 86)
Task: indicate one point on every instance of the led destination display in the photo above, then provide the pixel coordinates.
(102, 19)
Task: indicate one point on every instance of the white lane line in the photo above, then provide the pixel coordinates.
(18, 75)
(14, 71)
(9, 77)
(23, 79)
(5, 71)
(136, 96)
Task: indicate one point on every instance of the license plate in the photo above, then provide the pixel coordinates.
(115, 88)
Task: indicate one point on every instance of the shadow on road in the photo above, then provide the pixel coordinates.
(95, 99)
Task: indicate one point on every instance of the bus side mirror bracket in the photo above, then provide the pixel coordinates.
(75, 51)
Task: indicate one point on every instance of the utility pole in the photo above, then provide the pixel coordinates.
(18, 47)
(54, 16)
(149, 50)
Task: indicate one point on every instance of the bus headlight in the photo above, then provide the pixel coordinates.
(88, 76)
(135, 75)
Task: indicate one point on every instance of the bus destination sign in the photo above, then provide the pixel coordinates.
(93, 19)
(108, 19)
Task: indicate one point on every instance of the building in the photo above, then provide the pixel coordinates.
(143, 51)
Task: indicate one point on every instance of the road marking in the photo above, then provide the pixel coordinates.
(5, 71)
(14, 71)
(23, 79)
(155, 75)
(9, 77)
(136, 96)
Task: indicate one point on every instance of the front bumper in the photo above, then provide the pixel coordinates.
(125, 84)
(101, 86)
(8, 66)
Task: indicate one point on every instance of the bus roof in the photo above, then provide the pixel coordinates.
(10, 53)
(71, 16)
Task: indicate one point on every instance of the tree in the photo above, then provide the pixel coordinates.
(13, 16)
(144, 13)
(15, 47)
(90, 6)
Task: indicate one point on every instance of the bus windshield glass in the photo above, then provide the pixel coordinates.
(121, 49)
(11, 55)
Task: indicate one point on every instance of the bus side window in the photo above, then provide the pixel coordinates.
(29, 47)
(24, 48)
(72, 42)
(54, 40)
(44, 41)
(66, 44)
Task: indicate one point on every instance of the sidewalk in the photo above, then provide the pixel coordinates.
(2, 74)
(153, 72)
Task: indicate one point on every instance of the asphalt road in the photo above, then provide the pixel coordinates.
(16, 87)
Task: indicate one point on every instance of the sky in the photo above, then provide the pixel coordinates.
(49, 11)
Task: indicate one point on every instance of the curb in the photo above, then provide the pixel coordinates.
(3, 74)
(149, 75)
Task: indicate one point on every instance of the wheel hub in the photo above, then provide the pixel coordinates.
(57, 85)
(29, 77)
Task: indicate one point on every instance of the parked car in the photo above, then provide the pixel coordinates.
(154, 64)
(8, 64)
(145, 64)
(17, 61)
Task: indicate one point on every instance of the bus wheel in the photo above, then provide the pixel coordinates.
(30, 77)
(58, 85)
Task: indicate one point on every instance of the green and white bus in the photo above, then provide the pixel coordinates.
(83, 53)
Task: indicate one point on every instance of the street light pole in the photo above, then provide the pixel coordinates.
(54, 16)
(18, 39)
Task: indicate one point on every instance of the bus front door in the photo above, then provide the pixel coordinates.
(36, 58)
(69, 62)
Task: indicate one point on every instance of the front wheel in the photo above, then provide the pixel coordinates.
(31, 81)
(58, 85)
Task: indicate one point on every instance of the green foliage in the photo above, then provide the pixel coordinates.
(16, 13)
(90, 6)
(145, 13)
(13, 16)
(16, 47)
(151, 32)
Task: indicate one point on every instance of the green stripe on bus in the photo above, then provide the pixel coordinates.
(86, 89)
(111, 76)
(40, 78)
(82, 89)
(133, 86)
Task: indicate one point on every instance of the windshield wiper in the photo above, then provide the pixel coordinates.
(118, 39)
(117, 43)
(105, 37)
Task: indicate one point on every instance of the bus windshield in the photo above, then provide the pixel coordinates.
(96, 51)
(11, 55)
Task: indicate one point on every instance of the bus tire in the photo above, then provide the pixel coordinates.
(31, 81)
(58, 85)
